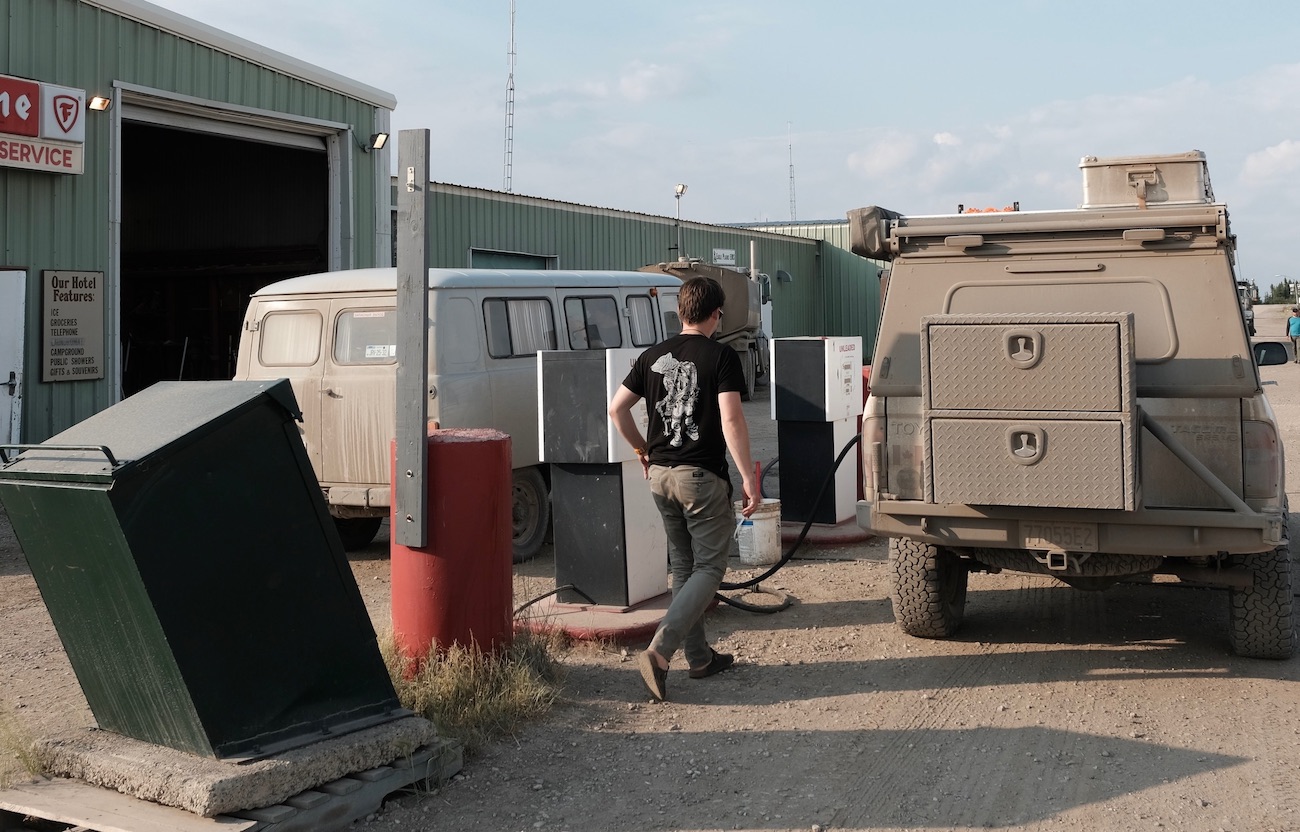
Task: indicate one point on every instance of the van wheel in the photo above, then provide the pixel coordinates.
(929, 588)
(747, 364)
(530, 513)
(357, 532)
(1261, 621)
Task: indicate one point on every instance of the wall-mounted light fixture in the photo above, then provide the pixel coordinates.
(99, 102)
(377, 141)
(784, 276)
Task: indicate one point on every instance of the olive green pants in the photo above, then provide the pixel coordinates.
(696, 509)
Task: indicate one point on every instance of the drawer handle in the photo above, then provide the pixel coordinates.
(1026, 444)
(1024, 347)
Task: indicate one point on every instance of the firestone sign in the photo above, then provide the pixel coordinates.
(42, 126)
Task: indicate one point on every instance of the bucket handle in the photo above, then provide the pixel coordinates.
(103, 449)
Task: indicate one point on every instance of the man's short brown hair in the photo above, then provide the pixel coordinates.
(697, 299)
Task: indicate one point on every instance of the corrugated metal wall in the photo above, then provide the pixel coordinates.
(463, 219)
(849, 294)
(50, 221)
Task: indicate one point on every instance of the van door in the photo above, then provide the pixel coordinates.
(517, 328)
(287, 341)
(670, 322)
(644, 328)
(358, 394)
(13, 295)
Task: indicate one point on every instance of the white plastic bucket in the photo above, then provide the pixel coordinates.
(759, 534)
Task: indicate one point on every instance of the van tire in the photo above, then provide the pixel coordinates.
(530, 512)
(357, 532)
(929, 588)
(1261, 622)
(747, 364)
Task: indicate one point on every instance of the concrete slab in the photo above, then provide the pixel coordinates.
(823, 534)
(594, 622)
(210, 787)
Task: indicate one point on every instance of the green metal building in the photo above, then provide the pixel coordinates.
(131, 236)
(818, 286)
(849, 294)
(133, 231)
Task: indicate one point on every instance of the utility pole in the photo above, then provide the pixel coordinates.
(790, 147)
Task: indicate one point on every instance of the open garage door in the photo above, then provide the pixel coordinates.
(207, 219)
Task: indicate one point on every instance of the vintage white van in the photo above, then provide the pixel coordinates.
(333, 335)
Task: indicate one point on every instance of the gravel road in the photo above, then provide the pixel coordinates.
(1053, 709)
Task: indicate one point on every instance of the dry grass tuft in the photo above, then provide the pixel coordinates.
(16, 752)
(475, 697)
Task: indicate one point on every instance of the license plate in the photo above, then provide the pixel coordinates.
(1069, 537)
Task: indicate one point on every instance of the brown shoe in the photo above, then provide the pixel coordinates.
(717, 663)
(656, 678)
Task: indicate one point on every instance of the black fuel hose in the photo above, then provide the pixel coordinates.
(785, 599)
(794, 547)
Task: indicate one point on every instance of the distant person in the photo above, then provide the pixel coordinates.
(692, 386)
(1293, 330)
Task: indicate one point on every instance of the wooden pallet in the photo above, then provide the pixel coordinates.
(332, 806)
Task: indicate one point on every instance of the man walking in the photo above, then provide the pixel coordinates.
(692, 387)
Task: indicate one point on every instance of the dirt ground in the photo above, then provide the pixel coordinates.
(1054, 709)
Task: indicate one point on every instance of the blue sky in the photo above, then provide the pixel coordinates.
(917, 107)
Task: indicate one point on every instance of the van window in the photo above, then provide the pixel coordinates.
(366, 336)
(518, 326)
(290, 339)
(641, 320)
(593, 323)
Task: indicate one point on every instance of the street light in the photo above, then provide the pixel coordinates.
(679, 190)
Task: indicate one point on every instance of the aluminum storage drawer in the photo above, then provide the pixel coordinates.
(1061, 463)
(1027, 362)
(1029, 410)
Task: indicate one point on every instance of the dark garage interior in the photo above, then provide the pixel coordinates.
(206, 221)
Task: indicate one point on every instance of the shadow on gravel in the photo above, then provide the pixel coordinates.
(919, 777)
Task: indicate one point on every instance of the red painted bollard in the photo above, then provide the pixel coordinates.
(457, 588)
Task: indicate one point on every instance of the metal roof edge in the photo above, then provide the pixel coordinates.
(548, 202)
(181, 26)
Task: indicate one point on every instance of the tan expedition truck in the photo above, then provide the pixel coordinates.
(1073, 393)
(333, 335)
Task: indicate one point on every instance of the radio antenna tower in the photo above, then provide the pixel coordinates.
(507, 183)
(790, 146)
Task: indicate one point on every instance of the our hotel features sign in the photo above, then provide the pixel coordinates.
(72, 319)
(42, 126)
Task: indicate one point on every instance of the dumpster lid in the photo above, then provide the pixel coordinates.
(141, 425)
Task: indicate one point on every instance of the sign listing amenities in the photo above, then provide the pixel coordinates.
(72, 316)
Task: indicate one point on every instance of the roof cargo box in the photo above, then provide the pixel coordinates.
(1139, 181)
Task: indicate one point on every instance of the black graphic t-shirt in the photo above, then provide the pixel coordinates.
(680, 380)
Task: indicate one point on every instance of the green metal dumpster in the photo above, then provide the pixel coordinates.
(190, 566)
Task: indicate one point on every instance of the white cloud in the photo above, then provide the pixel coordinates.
(947, 140)
(642, 82)
(884, 157)
(1265, 166)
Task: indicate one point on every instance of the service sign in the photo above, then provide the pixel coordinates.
(72, 320)
(42, 126)
(724, 257)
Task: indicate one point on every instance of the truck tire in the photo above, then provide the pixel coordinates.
(357, 532)
(1261, 622)
(530, 512)
(748, 363)
(929, 588)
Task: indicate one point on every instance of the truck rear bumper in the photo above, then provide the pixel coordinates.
(1161, 532)
(358, 501)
